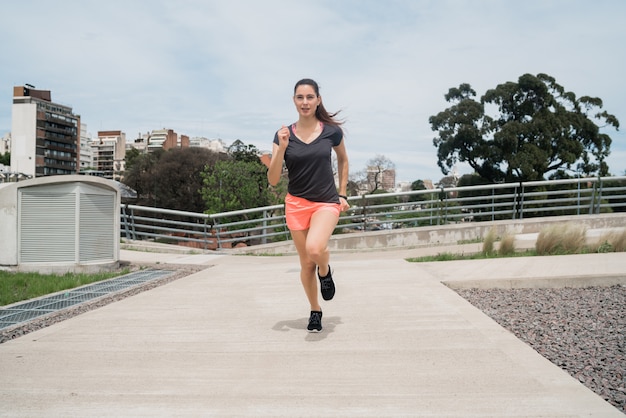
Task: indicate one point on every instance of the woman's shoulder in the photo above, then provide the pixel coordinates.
(334, 133)
(333, 129)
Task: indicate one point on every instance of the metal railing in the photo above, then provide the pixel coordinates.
(441, 206)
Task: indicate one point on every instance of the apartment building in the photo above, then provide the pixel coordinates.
(166, 139)
(159, 139)
(383, 178)
(45, 136)
(86, 154)
(216, 145)
(109, 151)
(5, 143)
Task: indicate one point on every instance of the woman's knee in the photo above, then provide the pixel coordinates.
(316, 250)
(306, 263)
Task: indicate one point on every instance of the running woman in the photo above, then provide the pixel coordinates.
(313, 203)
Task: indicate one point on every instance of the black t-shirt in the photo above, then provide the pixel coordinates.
(310, 167)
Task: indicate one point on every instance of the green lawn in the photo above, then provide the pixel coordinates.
(15, 287)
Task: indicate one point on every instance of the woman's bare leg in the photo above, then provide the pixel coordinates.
(307, 269)
(323, 224)
(312, 247)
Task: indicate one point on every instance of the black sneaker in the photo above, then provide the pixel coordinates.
(315, 322)
(327, 286)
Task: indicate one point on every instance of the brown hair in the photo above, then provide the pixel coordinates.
(320, 113)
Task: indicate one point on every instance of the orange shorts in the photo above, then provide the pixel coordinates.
(298, 211)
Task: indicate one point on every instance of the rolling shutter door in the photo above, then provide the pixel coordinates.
(47, 227)
(97, 234)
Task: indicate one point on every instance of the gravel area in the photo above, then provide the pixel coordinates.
(24, 328)
(581, 330)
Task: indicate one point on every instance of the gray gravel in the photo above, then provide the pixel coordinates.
(581, 330)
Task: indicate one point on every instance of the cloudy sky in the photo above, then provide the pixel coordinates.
(226, 69)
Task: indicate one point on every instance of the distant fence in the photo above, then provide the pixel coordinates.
(443, 206)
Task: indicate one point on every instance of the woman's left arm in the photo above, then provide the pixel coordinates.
(342, 167)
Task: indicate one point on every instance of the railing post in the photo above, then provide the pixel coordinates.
(264, 235)
(493, 202)
(205, 238)
(599, 199)
(578, 198)
(592, 202)
(133, 232)
(515, 203)
(126, 232)
(364, 212)
(216, 227)
(521, 201)
(442, 196)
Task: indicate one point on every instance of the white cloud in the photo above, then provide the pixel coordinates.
(227, 69)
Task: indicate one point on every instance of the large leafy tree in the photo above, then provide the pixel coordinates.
(179, 177)
(537, 128)
(170, 179)
(242, 152)
(240, 182)
(5, 158)
(139, 175)
(234, 185)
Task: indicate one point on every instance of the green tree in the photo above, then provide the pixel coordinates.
(234, 185)
(242, 152)
(139, 176)
(5, 158)
(131, 157)
(170, 179)
(179, 180)
(538, 128)
(239, 151)
(418, 185)
(278, 192)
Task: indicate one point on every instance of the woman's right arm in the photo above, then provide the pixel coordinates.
(278, 156)
(276, 165)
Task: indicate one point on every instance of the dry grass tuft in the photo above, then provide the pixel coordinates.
(612, 242)
(574, 239)
(619, 241)
(507, 245)
(561, 239)
(490, 239)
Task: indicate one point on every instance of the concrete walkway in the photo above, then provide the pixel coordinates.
(230, 341)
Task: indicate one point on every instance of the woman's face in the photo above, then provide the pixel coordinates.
(306, 100)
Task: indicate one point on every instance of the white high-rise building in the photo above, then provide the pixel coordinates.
(45, 136)
(216, 145)
(86, 154)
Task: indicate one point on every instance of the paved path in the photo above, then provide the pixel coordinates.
(230, 341)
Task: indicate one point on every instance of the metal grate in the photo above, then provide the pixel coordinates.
(30, 310)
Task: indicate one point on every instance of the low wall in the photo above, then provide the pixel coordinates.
(427, 236)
